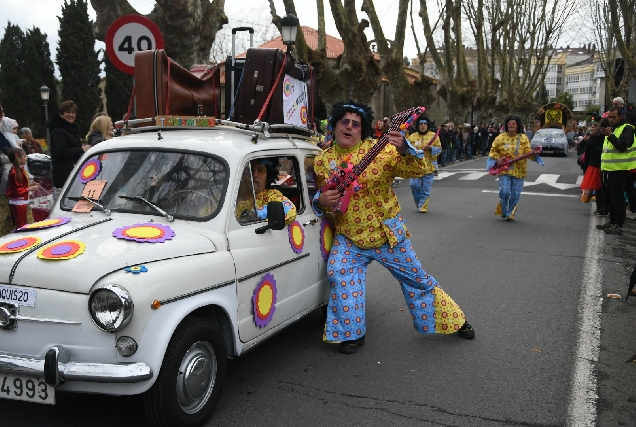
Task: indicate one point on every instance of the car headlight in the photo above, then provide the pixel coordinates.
(111, 307)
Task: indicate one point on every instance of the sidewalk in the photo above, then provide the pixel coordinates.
(616, 372)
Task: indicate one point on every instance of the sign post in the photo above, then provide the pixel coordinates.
(128, 35)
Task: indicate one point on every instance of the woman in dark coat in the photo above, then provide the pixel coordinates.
(66, 146)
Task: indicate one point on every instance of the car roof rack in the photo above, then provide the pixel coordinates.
(164, 123)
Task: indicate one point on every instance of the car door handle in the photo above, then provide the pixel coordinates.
(311, 222)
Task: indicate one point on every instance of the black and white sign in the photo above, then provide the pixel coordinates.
(128, 35)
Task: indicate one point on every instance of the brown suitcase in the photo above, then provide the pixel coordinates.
(262, 68)
(173, 90)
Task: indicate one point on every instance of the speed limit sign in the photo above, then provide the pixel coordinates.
(130, 34)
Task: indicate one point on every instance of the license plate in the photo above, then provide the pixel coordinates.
(27, 389)
(16, 295)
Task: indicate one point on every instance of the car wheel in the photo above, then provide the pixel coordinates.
(189, 383)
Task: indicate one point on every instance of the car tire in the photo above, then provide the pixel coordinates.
(174, 400)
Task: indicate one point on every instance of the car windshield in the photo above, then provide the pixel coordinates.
(184, 185)
(550, 133)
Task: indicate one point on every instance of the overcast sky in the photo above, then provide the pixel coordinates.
(43, 14)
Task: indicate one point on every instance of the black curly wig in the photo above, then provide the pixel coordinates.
(365, 112)
(271, 165)
(415, 126)
(516, 119)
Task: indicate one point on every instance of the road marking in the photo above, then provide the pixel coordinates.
(550, 179)
(584, 394)
(473, 176)
(529, 193)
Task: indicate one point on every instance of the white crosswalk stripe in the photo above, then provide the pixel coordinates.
(475, 174)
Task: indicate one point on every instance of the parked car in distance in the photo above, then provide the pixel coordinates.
(551, 141)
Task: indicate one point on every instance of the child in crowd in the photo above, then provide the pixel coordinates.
(18, 187)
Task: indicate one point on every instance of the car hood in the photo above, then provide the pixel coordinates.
(103, 253)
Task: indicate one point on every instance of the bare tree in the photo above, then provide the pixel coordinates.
(614, 28)
(189, 27)
(222, 46)
(356, 74)
(404, 92)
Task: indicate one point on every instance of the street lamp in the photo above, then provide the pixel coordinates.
(289, 28)
(44, 94)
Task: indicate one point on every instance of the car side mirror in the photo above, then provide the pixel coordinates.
(275, 218)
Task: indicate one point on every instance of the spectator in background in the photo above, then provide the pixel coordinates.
(29, 144)
(445, 140)
(6, 221)
(618, 102)
(6, 127)
(101, 129)
(616, 160)
(529, 132)
(66, 146)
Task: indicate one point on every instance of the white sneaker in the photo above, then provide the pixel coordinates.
(631, 215)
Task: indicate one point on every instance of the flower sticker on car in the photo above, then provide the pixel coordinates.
(136, 269)
(19, 245)
(296, 236)
(326, 238)
(148, 232)
(90, 170)
(47, 223)
(62, 250)
(264, 300)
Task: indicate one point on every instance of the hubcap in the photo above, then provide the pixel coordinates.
(195, 380)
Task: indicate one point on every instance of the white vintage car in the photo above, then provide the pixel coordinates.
(146, 276)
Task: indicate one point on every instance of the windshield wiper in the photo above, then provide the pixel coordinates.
(152, 205)
(92, 202)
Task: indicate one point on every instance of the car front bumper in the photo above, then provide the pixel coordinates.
(56, 368)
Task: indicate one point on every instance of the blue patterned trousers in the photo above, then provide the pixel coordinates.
(432, 310)
(421, 188)
(509, 193)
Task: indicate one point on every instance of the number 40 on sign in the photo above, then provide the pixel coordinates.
(128, 35)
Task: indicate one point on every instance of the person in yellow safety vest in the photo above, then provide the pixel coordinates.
(618, 157)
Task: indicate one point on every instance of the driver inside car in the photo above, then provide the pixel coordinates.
(264, 173)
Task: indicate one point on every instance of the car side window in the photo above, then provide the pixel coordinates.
(245, 204)
(310, 176)
(288, 181)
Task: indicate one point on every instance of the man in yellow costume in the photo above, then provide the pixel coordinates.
(372, 229)
(428, 142)
(510, 144)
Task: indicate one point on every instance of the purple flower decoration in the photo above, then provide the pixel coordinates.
(264, 300)
(148, 232)
(47, 223)
(90, 170)
(296, 236)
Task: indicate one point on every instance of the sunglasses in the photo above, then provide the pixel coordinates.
(423, 122)
(354, 123)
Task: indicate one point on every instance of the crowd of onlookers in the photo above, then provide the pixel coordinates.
(66, 146)
(609, 166)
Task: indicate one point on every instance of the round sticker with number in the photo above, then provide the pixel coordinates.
(128, 35)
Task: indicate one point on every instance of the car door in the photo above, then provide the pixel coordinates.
(279, 271)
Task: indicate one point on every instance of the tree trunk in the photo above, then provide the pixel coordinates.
(355, 75)
(188, 26)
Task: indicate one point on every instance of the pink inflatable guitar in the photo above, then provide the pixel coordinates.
(345, 178)
(507, 161)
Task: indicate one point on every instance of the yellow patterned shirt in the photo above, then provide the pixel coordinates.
(504, 146)
(375, 201)
(420, 141)
(262, 199)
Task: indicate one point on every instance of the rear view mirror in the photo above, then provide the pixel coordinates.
(275, 218)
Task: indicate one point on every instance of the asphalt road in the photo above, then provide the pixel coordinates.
(521, 286)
